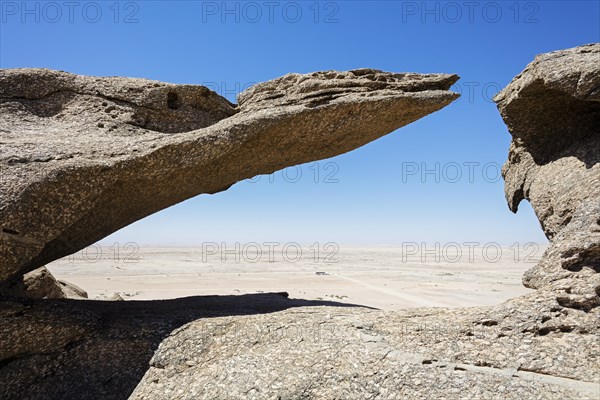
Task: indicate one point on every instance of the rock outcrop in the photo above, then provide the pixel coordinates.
(552, 110)
(542, 346)
(55, 349)
(82, 157)
(41, 284)
(268, 346)
(353, 353)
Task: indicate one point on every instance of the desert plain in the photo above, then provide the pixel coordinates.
(387, 277)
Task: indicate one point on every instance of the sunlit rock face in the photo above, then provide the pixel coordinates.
(82, 157)
(552, 110)
(543, 345)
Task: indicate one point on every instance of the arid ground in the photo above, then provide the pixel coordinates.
(384, 277)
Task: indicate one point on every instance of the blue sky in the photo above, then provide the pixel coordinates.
(363, 197)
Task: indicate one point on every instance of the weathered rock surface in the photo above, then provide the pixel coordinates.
(72, 291)
(41, 284)
(552, 110)
(56, 349)
(544, 345)
(332, 353)
(268, 346)
(82, 157)
(540, 346)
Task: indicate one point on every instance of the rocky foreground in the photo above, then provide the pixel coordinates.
(544, 345)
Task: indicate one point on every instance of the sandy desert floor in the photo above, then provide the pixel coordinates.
(385, 277)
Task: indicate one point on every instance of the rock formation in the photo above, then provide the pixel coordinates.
(543, 345)
(552, 110)
(353, 353)
(41, 284)
(82, 157)
(55, 349)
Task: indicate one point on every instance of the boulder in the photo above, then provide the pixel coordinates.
(41, 284)
(72, 291)
(82, 157)
(115, 297)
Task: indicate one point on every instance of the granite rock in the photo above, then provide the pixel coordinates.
(82, 157)
(552, 110)
(541, 346)
(41, 284)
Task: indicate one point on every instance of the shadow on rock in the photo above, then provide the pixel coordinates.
(84, 349)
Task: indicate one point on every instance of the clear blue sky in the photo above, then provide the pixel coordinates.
(229, 47)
